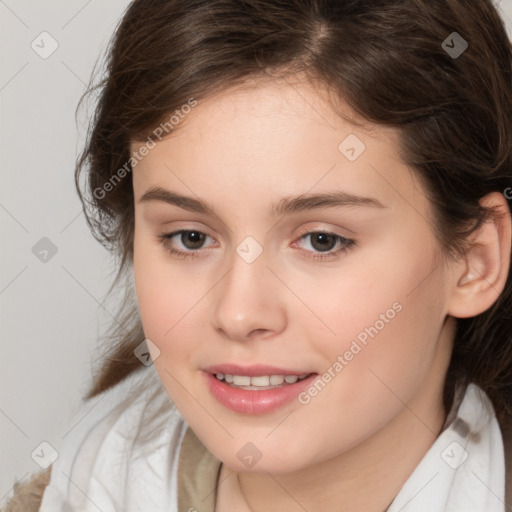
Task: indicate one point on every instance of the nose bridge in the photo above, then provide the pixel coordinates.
(247, 300)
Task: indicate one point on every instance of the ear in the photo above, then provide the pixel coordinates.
(480, 277)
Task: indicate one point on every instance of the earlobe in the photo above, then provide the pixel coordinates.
(487, 260)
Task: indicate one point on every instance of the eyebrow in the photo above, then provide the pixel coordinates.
(286, 206)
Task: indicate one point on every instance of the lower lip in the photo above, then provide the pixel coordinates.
(252, 401)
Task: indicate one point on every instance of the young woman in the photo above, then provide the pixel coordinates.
(313, 200)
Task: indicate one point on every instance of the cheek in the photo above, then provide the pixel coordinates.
(158, 291)
(384, 314)
(165, 303)
(171, 299)
(386, 340)
(164, 292)
(151, 292)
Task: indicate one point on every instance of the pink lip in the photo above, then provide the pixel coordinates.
(253, 370)
(253, 401)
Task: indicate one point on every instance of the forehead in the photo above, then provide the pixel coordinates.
(279, 136)
(282, 106)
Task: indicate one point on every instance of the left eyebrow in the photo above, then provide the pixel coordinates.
(304, 202)
(286, 206)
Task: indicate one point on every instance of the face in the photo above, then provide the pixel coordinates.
(252, 276)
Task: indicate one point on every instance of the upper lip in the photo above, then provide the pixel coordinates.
(253, 370)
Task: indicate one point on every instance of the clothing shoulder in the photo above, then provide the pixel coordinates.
(119, 447)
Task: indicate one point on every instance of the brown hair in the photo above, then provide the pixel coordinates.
(385, 58)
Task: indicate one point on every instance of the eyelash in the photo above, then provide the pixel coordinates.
(347, 244)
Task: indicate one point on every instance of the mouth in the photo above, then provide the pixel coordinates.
(256, 389)
(259, 382)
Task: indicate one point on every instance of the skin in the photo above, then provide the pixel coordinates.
(243, 150)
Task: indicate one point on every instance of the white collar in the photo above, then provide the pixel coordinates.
(464, 469)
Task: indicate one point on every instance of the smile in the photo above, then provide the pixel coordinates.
(259, 382)
(266, 389)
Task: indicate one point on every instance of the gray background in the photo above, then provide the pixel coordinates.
(51, 311)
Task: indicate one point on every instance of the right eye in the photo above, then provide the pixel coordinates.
(190, 240)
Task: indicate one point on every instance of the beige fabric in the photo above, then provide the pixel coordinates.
(198, 475)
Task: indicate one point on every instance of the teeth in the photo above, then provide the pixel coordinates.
(264, 380)
(241, 380)
(276, 379)
(260, 380)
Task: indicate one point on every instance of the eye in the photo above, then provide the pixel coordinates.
(191, 240)
(329, 244)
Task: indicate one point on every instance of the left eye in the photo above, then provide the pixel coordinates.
(192, 240)
(325, 242)
(321, 241)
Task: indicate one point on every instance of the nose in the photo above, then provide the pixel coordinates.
(249, 303)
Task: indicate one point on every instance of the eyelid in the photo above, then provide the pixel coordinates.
(322, 229)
